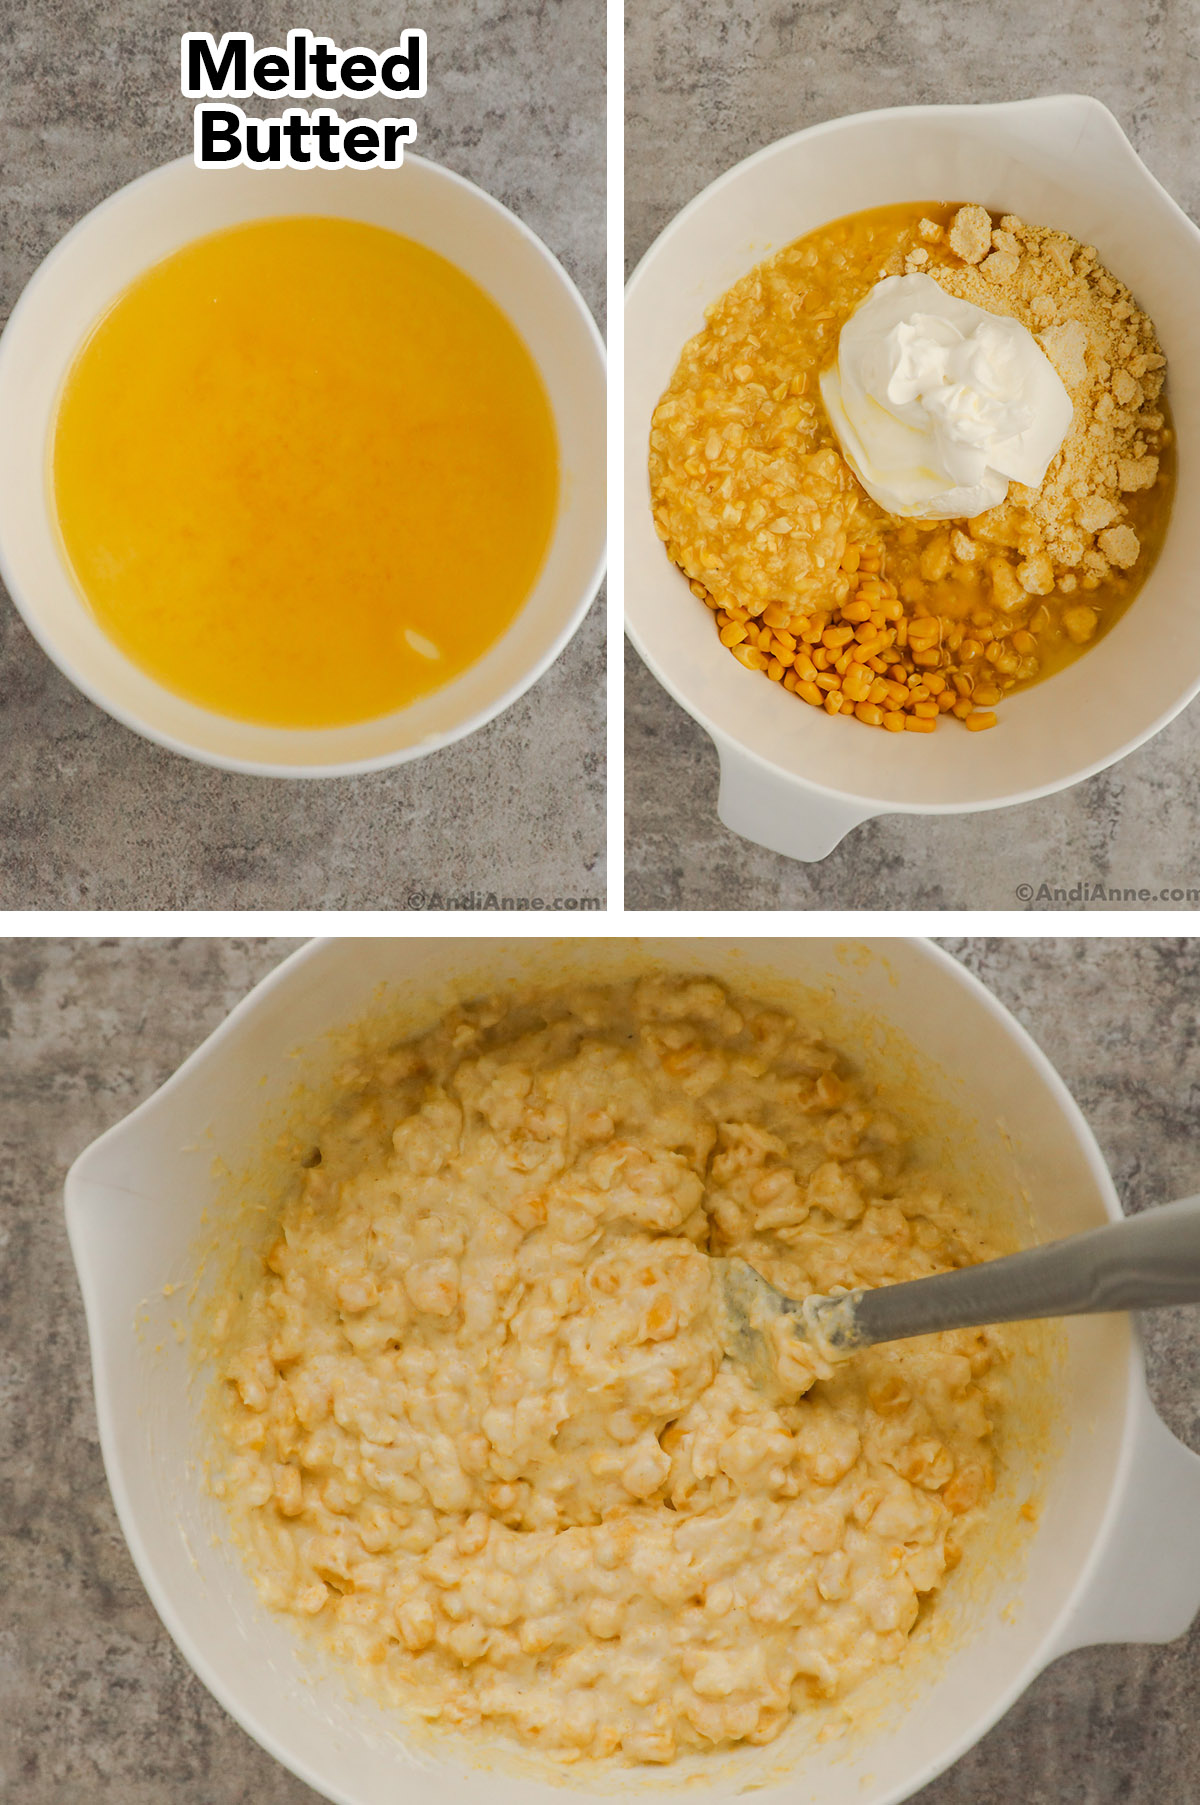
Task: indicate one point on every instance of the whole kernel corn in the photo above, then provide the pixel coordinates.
(880, 648)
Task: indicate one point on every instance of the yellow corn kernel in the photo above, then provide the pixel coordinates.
(751, 657)
(869, 714)
(775, 670)
(915, 723)
(894, 721)
(733, 634)
(808, 692)
(977, 723)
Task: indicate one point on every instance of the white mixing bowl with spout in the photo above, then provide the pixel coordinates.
(1114, 1554)
(792, 778)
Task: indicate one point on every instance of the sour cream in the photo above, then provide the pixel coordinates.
(938, 405)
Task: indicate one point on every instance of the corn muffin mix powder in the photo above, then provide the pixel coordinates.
(1105, 350)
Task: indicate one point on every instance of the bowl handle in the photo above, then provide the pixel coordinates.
(779, 811)
(1145, 1586)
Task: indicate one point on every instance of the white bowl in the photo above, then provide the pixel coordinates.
(145, 222)
(793, 779)
(1115, 1555)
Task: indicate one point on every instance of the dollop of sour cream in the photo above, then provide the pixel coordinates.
(938, 405)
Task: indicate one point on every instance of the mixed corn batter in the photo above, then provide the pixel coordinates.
(897, 621)
(479, 1427)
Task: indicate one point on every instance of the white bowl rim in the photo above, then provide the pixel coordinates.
(27, 301)
(1135, 1398)
(857, 800)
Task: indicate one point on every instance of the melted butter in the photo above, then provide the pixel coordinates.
(305, 472)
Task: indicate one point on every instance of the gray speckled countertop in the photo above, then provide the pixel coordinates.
(91, 816)
(706, 85)
(95, 1704)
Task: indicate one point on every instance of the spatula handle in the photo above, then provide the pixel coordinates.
(1143, 1263)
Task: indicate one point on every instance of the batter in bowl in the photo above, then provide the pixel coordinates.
(477, 1424)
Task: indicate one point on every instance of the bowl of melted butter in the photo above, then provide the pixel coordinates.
(303, 474)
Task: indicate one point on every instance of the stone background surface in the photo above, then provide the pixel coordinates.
(705, 86)
(96, 1705)
(91, 816)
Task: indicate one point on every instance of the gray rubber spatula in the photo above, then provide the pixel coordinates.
(1142, 1263)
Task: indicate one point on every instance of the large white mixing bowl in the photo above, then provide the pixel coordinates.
(1115, 1555)
(792, 778)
